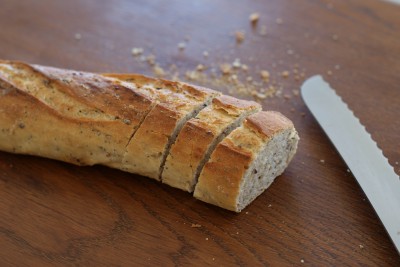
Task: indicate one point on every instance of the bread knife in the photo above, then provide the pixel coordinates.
(360, 152)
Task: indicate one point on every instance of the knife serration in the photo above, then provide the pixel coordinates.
(360, 152)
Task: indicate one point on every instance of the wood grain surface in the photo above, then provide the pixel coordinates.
(315, 214)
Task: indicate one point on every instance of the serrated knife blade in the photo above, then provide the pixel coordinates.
(360, 152)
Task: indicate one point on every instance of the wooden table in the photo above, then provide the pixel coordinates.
(315, 214)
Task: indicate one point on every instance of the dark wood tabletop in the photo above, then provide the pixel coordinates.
(315, 214)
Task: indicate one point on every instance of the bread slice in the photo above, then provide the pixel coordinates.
(199, 137)
(78, 117)
(150, 145)
(247, 161)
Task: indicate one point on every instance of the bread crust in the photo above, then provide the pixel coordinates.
(31, 127)
(268, 123)
(77, 101)
(222, 176)
(93, 92)
(196, 137)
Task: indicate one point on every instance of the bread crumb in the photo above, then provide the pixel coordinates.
(302, 261)
(247, 212)
(158, 71)
(206, 238)
(329, 72)
(270, 205)
(192, 75)
(285, 74)
(254, 17)
(237, 233)
(195, 225)
(236, 63)
(335, 37)
(290, 52)
(295, 92)
(205, 54)
(303, 114)
(213, 259)
(361, 246)
(245, 67)
(225, 68)
(78, 36)
(265, 75)
(239, 36)
(181, 46)
(322, 161)
(337, 67)
(397, 163)
(348, 170)
(279, 21)
(200, 67)
(136, 51)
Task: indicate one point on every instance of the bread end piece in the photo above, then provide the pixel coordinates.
(247, 161)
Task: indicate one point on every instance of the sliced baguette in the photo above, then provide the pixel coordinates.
(131, 122)
(247, 161)
(78, 117)
(150, 145)
(199, 136)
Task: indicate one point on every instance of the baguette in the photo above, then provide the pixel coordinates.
(225, 150)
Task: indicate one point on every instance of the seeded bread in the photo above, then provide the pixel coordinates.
(190, 136)
(247, 161)
(199, 137)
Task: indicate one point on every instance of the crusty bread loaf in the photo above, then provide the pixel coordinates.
(199, 137)
(247, 161)
(191, 137)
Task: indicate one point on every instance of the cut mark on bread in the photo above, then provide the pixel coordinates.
(178, 129)
(175, 104)
(200, 136)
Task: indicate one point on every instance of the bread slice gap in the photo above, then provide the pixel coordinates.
(178, 102)
(199, 137)
(102, 106)
(247, 161)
